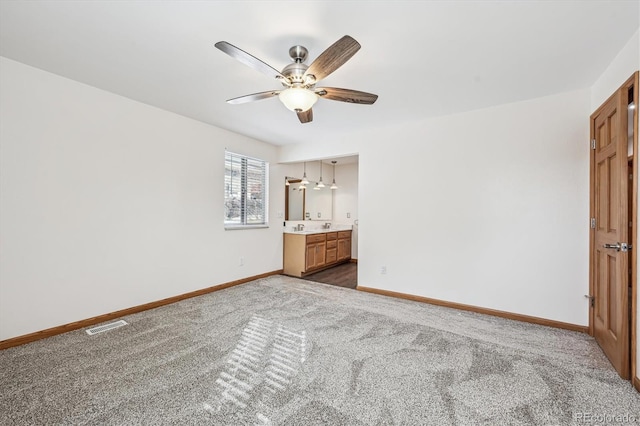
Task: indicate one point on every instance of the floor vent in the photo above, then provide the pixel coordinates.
(105, 327)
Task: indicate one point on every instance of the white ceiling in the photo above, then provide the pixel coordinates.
(422, 58)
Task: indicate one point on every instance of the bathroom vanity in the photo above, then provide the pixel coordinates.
(306, 252)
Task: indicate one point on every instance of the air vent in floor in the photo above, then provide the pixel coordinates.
(105, 327)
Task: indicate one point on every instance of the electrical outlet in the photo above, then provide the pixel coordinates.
(280, 215)
(383, 270)
(348, 215)
(241, 261)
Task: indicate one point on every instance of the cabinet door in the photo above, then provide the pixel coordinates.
(344, 249)
(311, 257)
(347, 249)
(321, 249)
(332, 255)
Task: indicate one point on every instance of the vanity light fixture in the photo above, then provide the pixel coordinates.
(333, 184)
(304, 181)
(320, 185)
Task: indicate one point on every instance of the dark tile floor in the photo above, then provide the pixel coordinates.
(344, 275)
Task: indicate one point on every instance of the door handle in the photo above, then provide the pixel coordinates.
(623, 247)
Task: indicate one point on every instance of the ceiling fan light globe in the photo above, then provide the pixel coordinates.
(298, 99)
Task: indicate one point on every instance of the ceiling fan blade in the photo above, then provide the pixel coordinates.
(333, 58)
(346, 95)
(249, 60)
(253, 97)
(306, 116)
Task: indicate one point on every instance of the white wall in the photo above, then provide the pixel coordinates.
(494, 208)
(487, 208)
(621, 68)
(108, 203)
(626, 62)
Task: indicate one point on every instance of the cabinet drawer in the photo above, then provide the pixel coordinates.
(332, 244)
(318, 238)
(344, 234)
(332, 235)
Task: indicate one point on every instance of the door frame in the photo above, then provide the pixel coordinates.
(631, 82)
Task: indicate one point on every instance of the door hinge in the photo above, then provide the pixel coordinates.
(593, 223)
(593, 144)
(592, 300)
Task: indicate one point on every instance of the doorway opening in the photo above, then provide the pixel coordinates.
(321, 221)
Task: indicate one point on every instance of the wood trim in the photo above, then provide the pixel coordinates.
(477, 309)
(286, 196)
(592, 232)
(352, 260)
(43, 334)
(634, 237)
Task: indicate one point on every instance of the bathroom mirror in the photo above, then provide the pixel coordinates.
(307, 204)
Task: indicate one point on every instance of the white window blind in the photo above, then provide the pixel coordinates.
(246, 183)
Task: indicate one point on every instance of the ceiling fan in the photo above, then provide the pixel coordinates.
(300, 92)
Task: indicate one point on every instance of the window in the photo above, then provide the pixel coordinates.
(246, 186)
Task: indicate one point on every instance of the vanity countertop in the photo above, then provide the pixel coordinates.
(320, 231)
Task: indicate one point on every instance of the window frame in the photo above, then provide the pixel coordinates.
(246, 181)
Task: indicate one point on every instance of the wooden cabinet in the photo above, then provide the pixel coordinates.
(307, 253)
(344, 245)
(316, 248)
(332, 247)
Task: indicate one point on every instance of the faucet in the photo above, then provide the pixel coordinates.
(327, 225)
(300, 227)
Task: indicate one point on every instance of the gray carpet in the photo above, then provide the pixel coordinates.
(284, 351)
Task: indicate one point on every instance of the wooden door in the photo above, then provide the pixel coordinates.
(609, 261)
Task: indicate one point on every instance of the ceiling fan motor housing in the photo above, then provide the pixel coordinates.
(295, 71)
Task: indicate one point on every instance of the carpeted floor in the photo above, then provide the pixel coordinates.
(284, 351)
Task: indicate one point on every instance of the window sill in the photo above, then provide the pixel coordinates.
(238, 227)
